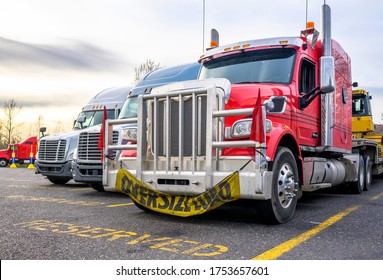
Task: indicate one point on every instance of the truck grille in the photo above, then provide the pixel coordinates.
(88, 146)
(52, 150)
(175, 130)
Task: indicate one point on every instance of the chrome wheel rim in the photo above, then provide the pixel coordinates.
(286, 185)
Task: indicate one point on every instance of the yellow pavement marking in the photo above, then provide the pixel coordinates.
(285, 247)
(81, 189)
(290, 244)
(119, 205)
(55, 200)
(376, 197)
(129, 238)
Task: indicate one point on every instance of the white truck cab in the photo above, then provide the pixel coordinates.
(56, 151)
(87, 166)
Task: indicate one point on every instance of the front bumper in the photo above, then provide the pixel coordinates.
(254, 183)
(87, 172)
(62, 170)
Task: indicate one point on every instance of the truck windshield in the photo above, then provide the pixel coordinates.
(129, 110)
(93, 118)
(261, 66)
(360, 105)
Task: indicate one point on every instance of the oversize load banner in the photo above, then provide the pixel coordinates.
(178, 205)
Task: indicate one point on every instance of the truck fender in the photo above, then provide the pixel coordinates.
(281, 135)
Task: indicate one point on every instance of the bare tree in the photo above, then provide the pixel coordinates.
(39, 123)
(2, 144)
(146, 67)
(58, 128)
(10, 110)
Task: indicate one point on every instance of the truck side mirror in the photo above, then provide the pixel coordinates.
(81, 120)
(42, 131)
(327, 74)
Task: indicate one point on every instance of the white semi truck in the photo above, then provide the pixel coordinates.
(56, 151)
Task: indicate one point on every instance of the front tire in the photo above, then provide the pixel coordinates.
(368, 173)
(3, 162)
(142, 207)
(285, 181)
(97, 187)
(58, 181)
(358, 186)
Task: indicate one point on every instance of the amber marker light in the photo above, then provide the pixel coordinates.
(310, 25)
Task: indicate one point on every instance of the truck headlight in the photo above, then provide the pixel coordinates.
(129, 134)
(241, 128)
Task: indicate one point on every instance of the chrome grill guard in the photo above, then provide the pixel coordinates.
(179, 133)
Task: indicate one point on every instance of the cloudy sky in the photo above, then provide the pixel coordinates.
(55, 55)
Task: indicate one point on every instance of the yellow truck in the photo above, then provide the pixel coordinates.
(364, 136)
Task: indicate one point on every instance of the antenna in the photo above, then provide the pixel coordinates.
(307, 7)
(203, 28)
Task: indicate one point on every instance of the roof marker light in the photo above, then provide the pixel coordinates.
(214, 38)
(310, 25)
(213, 44)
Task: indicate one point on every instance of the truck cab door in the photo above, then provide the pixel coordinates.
(308, 119)
(15, 149)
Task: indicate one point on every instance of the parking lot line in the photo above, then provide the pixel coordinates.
(81, 189)
(376, 197)
(283, 248)
(120, 205)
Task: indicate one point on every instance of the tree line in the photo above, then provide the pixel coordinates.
(10, 129)
(8, 123)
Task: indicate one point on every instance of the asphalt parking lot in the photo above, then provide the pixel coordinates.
(42, 221)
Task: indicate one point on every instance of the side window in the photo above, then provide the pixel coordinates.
(307, 76)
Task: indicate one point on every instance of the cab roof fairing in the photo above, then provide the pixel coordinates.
(240, 46)
(110, 98)
(166, 75)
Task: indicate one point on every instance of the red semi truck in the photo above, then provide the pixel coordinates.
(22, 151)
(274, 114)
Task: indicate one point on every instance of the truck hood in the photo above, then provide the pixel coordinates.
(92, 129)
(62, 136)
(97, 128)
(245, 95)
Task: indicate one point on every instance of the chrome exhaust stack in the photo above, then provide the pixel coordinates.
(327, 79)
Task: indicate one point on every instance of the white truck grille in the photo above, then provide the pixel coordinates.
(52, 150)
(88, 145)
